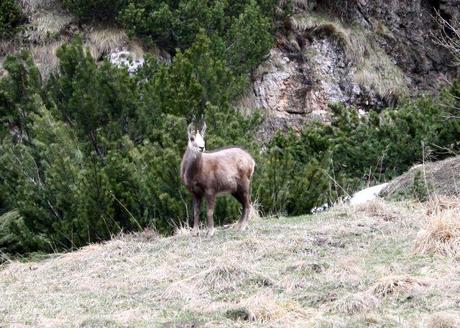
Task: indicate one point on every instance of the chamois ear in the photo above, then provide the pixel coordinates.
(190, 130)
(203, 128)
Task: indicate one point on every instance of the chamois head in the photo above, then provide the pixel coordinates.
(196, 137)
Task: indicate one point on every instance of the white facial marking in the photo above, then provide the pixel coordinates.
(197, 142)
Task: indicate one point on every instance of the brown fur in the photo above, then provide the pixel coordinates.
(223, 171)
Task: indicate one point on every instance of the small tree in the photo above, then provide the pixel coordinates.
(249, 39)
(10, 18)
(95, 9)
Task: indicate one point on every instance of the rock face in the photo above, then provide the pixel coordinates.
(412, 27)
(366, 53)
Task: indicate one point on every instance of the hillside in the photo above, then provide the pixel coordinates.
(435, 178)
(349, 267)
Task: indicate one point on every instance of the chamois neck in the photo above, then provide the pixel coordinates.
(192, 155)
(190, 163)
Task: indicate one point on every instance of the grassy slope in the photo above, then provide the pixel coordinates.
(347, 267)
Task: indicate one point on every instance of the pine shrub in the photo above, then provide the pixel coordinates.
(10, 18)
(105, 10)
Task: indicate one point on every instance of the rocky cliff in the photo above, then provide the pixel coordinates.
(366, 53)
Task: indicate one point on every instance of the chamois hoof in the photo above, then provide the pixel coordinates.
(211, 232)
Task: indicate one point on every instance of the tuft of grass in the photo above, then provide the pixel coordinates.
(442, 320)
(322, 26)
(45, 58)
(439, 203)
(265, 307)
(378, 209)
(223, 276)
(47, 26)
(102, 41)
(229, 276)
(441, 235)
(307, 267)
(254, 212)
(396, 285)
(355, 303)
(30, 7)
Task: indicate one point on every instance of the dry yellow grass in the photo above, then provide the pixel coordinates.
(30, 7)
(378, 208)
(441, 235)
(440, 203)
(104, 40)
(266, 307)
(442, 320)
(323, 270)
(47, 26)
(396, 285)
(355, 303)
(45, 58)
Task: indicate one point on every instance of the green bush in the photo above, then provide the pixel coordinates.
(95, 9)
(10, 18)
(248, 39)
(285, 183)
(241, 29)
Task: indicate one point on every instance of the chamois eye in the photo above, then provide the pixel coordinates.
(192, 139)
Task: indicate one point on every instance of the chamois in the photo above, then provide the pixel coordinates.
(208, 174)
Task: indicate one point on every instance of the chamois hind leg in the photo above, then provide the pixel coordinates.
(244, 198)
(211, 202)
(196, 213)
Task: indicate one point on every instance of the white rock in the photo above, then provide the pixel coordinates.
(123, 57)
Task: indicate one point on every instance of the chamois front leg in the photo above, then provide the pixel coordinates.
(196, 213)
(211, 202)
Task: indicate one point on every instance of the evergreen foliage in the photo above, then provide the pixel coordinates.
(95, 9)
(240, 29)
(10, 18)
